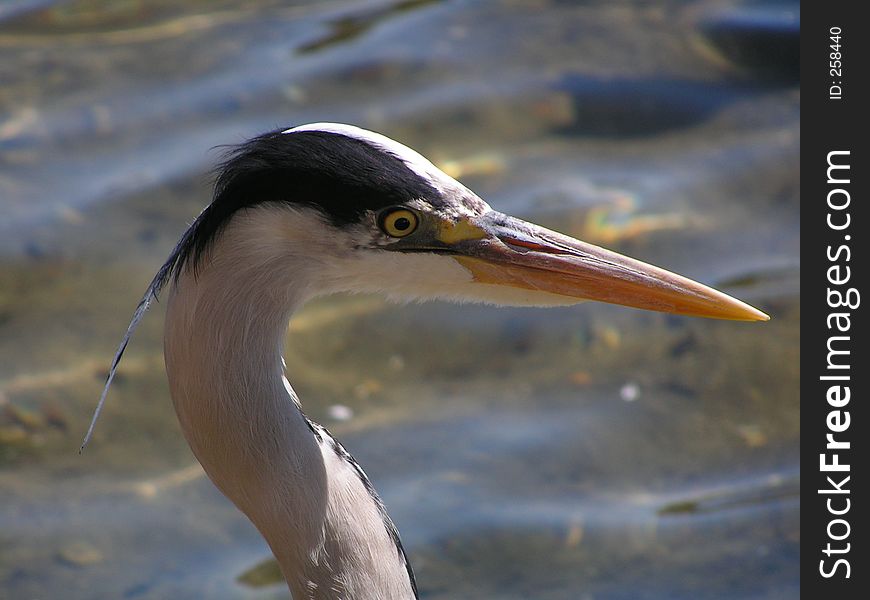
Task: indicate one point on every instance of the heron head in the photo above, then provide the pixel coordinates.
(359, 212)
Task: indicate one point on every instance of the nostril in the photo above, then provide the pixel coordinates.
(529, 245)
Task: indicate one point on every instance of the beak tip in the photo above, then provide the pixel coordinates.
(750, 313)
(762, 316)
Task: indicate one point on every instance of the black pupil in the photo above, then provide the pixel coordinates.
(402, 223)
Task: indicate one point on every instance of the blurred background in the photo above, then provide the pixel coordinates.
(591, 452)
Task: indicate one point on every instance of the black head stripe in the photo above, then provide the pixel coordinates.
(343, 177)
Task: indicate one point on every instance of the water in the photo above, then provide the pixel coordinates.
(586, 452)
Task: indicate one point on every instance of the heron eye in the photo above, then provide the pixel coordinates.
(398, 222)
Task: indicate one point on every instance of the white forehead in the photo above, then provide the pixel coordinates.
(415, 161)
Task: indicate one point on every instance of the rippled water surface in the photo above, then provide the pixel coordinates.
(576, 453)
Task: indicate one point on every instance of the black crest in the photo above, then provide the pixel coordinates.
(342, 176)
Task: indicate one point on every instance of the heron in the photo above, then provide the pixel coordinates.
(321, 209)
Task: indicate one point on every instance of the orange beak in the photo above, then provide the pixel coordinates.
(499, 249)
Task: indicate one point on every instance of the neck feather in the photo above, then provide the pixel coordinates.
(223, 341)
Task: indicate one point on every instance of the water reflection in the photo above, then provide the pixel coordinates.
(566, 453)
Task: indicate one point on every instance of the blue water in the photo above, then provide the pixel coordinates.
(578, 453)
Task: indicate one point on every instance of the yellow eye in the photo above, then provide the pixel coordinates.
(398, 222)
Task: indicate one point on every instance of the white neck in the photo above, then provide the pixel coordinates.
(224, 335)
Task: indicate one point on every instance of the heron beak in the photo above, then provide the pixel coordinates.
(499, 249)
